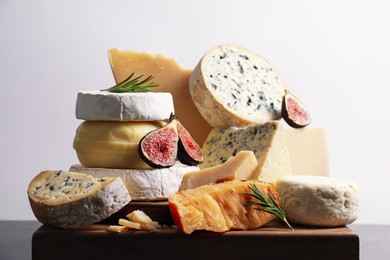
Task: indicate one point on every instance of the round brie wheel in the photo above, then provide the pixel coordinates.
(99, 105)
(110, 144)
(319, 200)
(233, 86)
(144, 184)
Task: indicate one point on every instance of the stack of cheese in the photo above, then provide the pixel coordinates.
(107, 141)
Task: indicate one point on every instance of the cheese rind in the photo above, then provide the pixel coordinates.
(240, 167)
(267, 141)
(232, 86)
(308, 151)
(110, 144)
(98, 105)
(219, 207)
(71, 200)
(319, 200)
(144, 184)
(170, 77)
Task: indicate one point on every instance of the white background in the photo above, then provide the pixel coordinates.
(334, 55)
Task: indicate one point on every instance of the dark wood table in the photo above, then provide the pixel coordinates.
(16, 237)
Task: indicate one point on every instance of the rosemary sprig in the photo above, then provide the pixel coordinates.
(267, 204)
(133, 85)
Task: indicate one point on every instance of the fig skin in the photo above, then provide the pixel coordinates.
(294, 112)
(189, 152)
(159, 147)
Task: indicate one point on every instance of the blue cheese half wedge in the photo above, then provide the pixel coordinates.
(267, 141)
(99, 105)
(72, 200)
(233, 86)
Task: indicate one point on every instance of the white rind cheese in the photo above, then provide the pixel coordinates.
(99, 105)
(267, 141)
(71, 200)
(147, 184)
(319, 200)
(232, 86)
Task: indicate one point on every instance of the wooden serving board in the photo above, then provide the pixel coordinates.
(273, 241)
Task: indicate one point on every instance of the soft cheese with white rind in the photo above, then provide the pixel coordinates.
(99, 105)
(319, 200)
(267, 141)
(71, 200)
(144, 184)
(233, 86)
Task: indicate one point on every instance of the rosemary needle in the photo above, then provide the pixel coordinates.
(133, 85)
(269, 204)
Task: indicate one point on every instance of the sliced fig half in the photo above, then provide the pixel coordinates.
(294, 112)
(189, 151)
(159, 147)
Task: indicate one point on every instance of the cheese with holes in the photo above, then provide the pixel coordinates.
(170, 77)
(144, 184)
(110, 144)
(233, 86)
(240, 167)
(267, 141)
(99, 105)
(71, 200)
(319, 200)
(218, 207)
(308, 151)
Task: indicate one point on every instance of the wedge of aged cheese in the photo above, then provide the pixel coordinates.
(71, 200)
(170, 77)
(240, 167)
(218, 207)
(267, 141)
(319, 200)
(99, 105)
(232, 86)
(308, 151)
(144, 184)
(110, 144)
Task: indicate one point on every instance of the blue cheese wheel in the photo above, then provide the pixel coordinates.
(232, 86)
(99, 105)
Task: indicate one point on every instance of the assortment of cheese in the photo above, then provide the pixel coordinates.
(231, 103)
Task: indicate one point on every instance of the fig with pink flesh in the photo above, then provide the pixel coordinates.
(189, 151)
(294, 112)
(159, 147)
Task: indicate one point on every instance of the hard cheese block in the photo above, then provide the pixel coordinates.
(72, 200)
(98, 105)
(219, 207)
(272, 241)
(110, 144)
(308, 151)
(232, 86)
(170, 77)
(267, 141)
(240, 167)
(145, 184)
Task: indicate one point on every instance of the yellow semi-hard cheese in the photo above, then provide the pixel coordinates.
(170, 77)
(308, 151)
(240, 167)
(110, 144)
